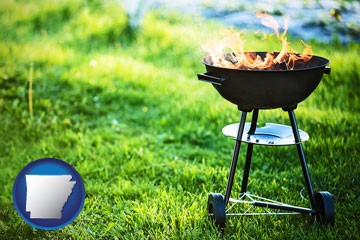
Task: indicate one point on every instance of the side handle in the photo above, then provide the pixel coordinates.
(211, 79)
(327, 70)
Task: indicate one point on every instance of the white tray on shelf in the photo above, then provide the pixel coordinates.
(272, 134)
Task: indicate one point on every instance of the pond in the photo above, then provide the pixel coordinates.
(309, 19)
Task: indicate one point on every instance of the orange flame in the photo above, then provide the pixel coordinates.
(229, 51)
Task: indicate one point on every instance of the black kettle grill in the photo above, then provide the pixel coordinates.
(252, 90)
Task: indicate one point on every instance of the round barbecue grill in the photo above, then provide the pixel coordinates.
(266, 89)
(254, 90)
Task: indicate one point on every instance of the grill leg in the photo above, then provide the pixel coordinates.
(249, 152)
(302, 158)
(235, 157)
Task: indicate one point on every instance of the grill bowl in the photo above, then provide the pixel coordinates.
(266, 89)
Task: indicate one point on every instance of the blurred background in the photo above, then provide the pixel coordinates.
(111, 88)
(309, 19)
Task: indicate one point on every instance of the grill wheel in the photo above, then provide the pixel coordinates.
(216, 209)
(325, 207)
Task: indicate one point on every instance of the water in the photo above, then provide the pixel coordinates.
(309, 19)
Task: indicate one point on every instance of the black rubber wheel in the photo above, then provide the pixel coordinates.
(325, 207)
(216, 209)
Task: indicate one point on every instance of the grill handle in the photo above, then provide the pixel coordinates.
(206, 77)
(327, 70)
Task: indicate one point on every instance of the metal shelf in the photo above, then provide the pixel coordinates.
(272, 134)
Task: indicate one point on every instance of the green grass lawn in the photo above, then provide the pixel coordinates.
(125, 108)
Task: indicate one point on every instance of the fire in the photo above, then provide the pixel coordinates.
(229, 51)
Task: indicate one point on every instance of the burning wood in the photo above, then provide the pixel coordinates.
(229, 51)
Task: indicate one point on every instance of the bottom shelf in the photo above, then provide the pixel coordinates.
(271, 134)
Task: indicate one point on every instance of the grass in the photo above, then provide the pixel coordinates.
(124, 107)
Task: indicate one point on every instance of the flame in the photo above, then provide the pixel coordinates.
(229, 51)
